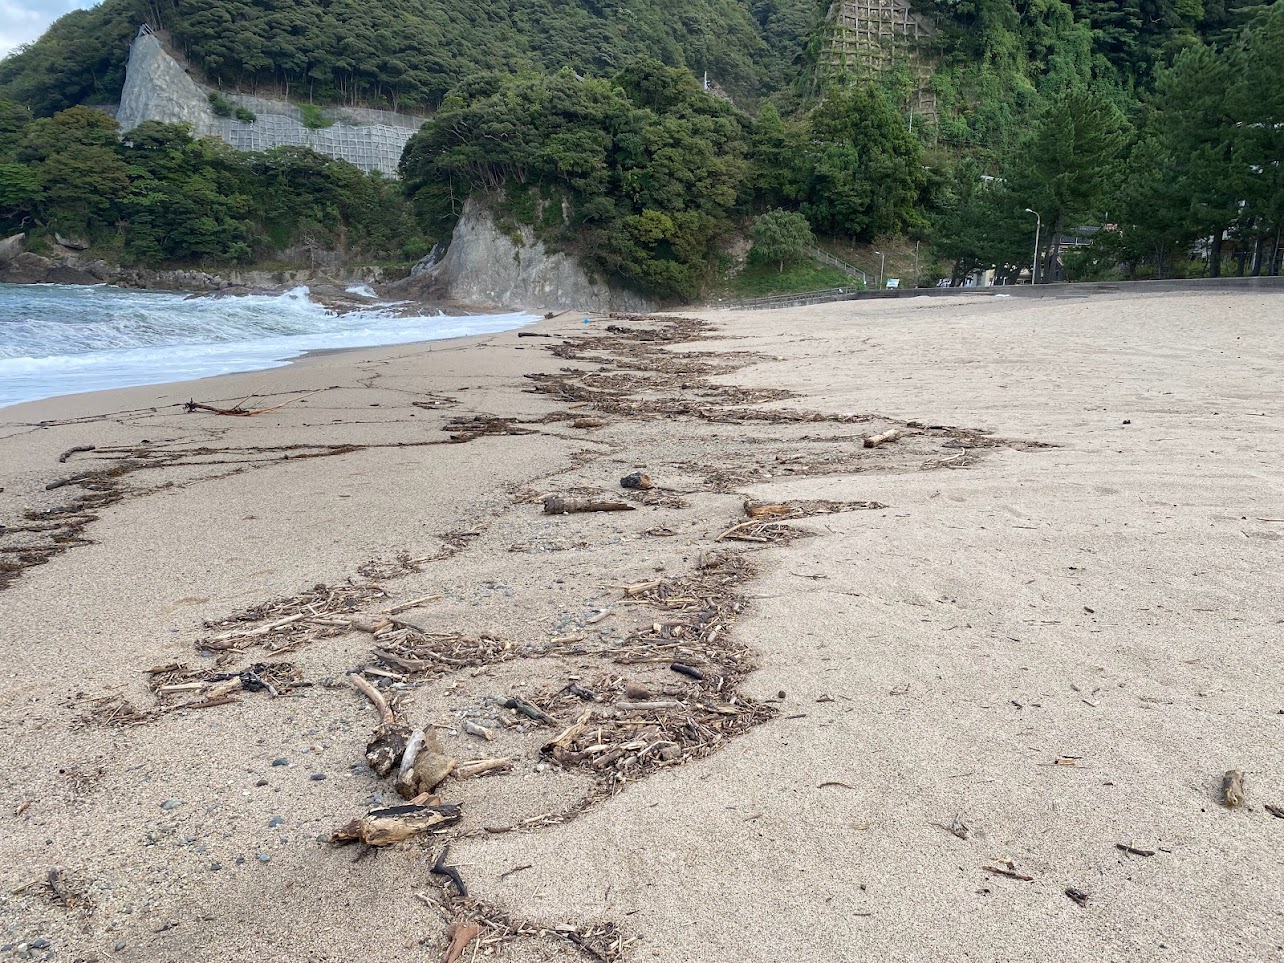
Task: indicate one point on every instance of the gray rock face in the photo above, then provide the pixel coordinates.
(483, 267)
(158, 87)
(11, 247)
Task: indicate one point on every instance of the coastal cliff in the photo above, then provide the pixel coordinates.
(487, 266)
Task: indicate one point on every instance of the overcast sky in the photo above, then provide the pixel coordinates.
(22, 21)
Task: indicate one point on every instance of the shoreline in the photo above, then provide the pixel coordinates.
(1038, 614)
(256, 351)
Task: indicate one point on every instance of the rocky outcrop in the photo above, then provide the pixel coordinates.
(158, 87)
(486, 267)
(11, 247)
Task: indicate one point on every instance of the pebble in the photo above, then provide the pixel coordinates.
(120, 945)
(280, 761)
(276, 821)
(264, 858)
(317, 776)
(169, 804)
(261, 782)
(39, 944)
(215, 867)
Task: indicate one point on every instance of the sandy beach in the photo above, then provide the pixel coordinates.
(967, 695)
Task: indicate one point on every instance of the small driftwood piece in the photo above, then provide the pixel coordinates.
(424, 765)
(767, 511)
(1009, 873)
(528, 710)
(461, 934)
(882, 438)
(72, 451)
(473, 768)
(1133, 850)
(383, 827)
(440, 868)
(569, 733)
(558, 505)
(1276, 811)
(387, 746)
(1233, 789)
(1078, 895)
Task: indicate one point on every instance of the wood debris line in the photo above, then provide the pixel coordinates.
(112, 711)
(239, 411)
(561, 505)
(178, 686)
(599, 941)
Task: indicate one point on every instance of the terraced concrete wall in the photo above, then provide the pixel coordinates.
(158, 87)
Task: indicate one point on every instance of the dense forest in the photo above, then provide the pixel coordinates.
(1156, 127)
(158, 196)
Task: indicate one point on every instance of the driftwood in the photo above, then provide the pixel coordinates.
(72, 451)
(479, 767)
(528, 710)
(424, 765)
(440, 868)
(1233, 789)
(388, 744)
(236, 411)
(558, 505)
(461, 934)
(882, 438)
(383, 827)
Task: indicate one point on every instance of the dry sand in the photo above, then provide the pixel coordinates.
(1094, 577)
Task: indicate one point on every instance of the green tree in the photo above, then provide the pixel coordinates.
(781, 236)
(1067, 163)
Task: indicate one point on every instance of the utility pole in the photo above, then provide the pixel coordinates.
(882, 260)
(1038, 228)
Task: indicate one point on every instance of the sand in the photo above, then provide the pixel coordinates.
(1060, 632)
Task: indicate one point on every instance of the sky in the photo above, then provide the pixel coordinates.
(22, 21)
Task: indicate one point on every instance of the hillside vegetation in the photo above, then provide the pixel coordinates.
(406, 54)
(1159, 124)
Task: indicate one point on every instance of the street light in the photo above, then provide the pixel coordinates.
(1038, 227)
(882, 260)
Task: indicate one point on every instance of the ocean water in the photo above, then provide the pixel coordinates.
(60, 339)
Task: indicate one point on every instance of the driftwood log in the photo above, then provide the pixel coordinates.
(559, 505)
(393, 824)
(882, 438)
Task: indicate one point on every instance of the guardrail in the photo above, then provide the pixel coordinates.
(824, 257)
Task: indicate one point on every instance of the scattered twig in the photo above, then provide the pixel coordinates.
(1009, 873)
(515, 869)
(1276, 811)
(1078, 895)
(1133, 850)
(835, 782)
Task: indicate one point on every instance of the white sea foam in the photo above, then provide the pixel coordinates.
(60, 339)
(362, 291)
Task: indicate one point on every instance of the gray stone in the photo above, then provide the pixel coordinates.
(73, 243)
(26, 268)
(11, 247)
(276, 821)
(169, 804)
(280, 761)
